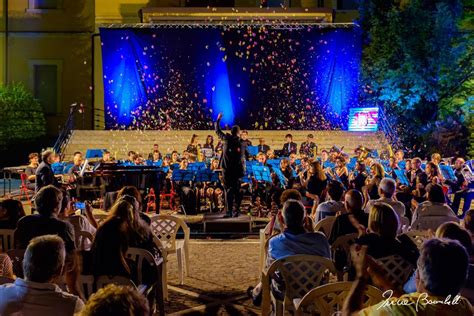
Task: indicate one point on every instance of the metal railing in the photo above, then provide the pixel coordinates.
(66, 132)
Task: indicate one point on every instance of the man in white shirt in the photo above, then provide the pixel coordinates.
(38, 293)
(387, 189)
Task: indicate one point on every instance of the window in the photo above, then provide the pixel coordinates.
(46, 86)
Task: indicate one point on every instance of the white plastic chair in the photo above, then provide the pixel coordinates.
(343, 243)
(165, 228)
(325, 225)
(397, 269)
(300, 273)
(329, 298)
(404, 225)
(419, 236)
(6, 239)
(84, 240)
(139, 256)
(432, 222)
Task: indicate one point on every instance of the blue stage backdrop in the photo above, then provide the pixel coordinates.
(259, 77)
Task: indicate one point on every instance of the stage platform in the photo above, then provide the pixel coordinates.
(120, 142)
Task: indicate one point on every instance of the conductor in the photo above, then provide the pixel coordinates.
(233, 166)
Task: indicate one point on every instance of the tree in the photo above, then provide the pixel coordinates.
(22, 117)
(418, 64)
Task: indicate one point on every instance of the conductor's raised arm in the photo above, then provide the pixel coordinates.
(217, 126)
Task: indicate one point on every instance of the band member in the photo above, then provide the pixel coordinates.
(209, 142)
(270, 154)
(262, 148)
(106, 157)
(399, 155)
(244, 135)
(44, 173)
(289, 147)
(233, 166)
(194, 148)
(30, 170)
(341, 171)
(309, 148)
(358, 178)
(155, 149)
(174, 157)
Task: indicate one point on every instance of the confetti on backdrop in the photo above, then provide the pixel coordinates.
(261, 77)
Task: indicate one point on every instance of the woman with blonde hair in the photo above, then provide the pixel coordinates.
(381, 235)
(372, 187)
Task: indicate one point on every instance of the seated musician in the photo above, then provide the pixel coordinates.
(57, 165)
(156, 156)
(214, 190)
(209, 142)
(152, 154)
(138, 160)
(262, 159)
(30, 170)
(130, 157)
(292, 161)
(314, 181)
(106, 157)
(341, 171)
(244, 135)
(166, 161)
(270, 154)
(458, 187)
(194, 148)
(285, 168)
(77, 163)
(174, 157)
(358, 178)
(185, 191)
(262, 148)
(399, 155)
(324, 158)
(372, 188)
(309, 148)
(289, 147)
(393, 164)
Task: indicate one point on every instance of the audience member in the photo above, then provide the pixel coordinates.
(377, 174)
(436, 291)
(116, 300)
(332, 206)
(435, 206)
(387, 188)
(10, 213)
(6, 269)
(343, 224)
(123, 229)
(381, 235)
(30, 170)
(294, 240)
(38, 293)
(133, 191)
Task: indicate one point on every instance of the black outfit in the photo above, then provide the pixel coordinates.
(359, 181)
(150, 156)
(288, 149)
(263, 148)
(29, 171)
(379, 247)
(193, 149)
(459, 193)
(343, 226)
(232, 163)
(247, 142)
(308, 149)
(44, 176)
(32, 226)
(316, 186)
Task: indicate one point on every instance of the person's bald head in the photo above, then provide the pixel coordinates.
(353, 200)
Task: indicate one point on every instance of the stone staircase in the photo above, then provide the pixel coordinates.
(119, 142)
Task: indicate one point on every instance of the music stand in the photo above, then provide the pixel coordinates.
(195, 166)
(182, 175)
(253, 150)
(262, 173)
(207, 152)
(402, 177)
(206, 175)
(448, 172)
(281, 177)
